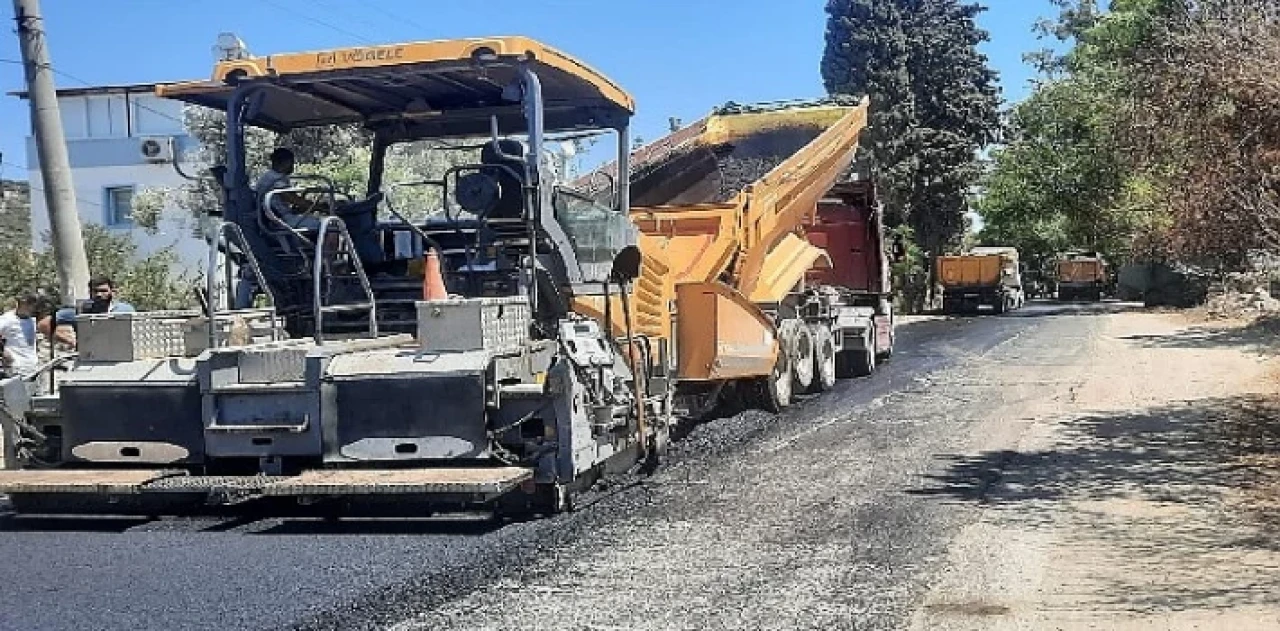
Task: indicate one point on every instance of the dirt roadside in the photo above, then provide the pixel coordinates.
(1143, 492)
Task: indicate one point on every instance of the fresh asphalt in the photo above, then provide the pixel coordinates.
(855, 443)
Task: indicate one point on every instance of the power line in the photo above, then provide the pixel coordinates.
(397, 17)
(348, 17)
(90, 85)
(37, 189)
(318, 21)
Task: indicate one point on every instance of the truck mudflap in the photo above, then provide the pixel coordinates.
(478, 481)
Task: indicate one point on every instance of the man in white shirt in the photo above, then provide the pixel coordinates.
(18, 330)
(284, 204)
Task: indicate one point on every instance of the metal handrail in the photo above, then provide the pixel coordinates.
(231, 234)
(328, 189)
(344, 242)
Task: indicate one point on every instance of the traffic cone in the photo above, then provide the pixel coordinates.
(432, 279)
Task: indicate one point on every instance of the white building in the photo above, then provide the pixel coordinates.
(112, 137)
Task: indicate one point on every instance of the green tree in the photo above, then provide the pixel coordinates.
(341, 153)
(934, 102)
(957, 103)
(148, 282)
(1059, 183)
(15, 213)
(867, 53)
(1154, 136)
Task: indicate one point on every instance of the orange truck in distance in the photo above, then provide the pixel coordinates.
(1082, 276)
(983, 276)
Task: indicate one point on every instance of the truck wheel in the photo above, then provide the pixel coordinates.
(1000, 304)
(824, 360)
(797, 339)
(773, 393)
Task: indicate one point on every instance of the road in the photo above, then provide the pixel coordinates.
(844, 512)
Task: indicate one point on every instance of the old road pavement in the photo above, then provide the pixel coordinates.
(1063, 466)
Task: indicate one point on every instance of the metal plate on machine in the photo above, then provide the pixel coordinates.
(84, 481)
(484, 480)
(473, 324)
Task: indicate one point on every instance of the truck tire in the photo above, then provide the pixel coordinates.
(824, 360)
(797, 340)
(1001, 304)
(773, 393)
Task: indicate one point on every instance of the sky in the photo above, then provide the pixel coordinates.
(678, 58)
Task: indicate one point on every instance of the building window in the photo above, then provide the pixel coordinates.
(120, 206)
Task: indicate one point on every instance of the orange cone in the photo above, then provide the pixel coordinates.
(432, 279)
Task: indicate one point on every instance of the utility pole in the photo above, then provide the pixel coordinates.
(51, 149)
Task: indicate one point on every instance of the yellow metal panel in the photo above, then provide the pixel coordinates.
(721, 334)
(969, 271)
(1085, 271)
(725, 128)
(698, 241)
(778, 203)
(651, 296)
(384, 56)
(784, 267)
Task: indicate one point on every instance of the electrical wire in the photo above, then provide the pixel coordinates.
(38, 189)
(90, 85)
(317, 21)
(400, 18)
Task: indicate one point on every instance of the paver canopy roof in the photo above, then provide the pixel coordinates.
(442, 88)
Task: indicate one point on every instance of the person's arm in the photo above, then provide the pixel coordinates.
(6, 357)
(65, 334)
(64, 330)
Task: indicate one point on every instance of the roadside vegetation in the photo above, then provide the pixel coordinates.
(1154, 136)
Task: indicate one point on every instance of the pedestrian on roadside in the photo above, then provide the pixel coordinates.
(18, 329)
(102, 299)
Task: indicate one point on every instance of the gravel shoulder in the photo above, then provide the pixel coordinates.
(1140, 496)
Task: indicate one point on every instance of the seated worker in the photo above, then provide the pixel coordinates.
(102, 299)
(300, 213)
(285, 205)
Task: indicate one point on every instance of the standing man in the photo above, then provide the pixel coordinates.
(102, 299)
(18, 330)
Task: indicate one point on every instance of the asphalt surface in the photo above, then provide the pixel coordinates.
(809, 519)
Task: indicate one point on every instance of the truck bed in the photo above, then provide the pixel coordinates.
(969, 271)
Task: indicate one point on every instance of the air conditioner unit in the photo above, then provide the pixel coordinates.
(156, 149)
